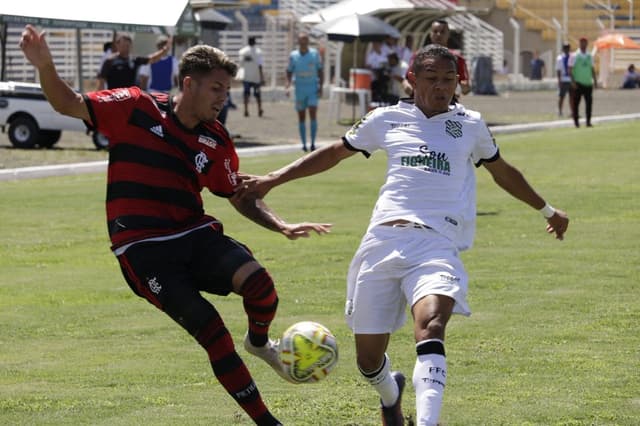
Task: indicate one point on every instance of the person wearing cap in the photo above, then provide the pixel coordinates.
(120, 70)
(583, 81)
(564, 79)
(160, 76)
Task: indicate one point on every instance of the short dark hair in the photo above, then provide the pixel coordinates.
(124, 36)
(441, 22)
(201, 59)
(432, 51)
(162, 41)
(252, 41)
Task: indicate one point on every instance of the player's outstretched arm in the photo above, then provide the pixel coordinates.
(512, 181)
(256, 210)
(313, 163)
(61, 97)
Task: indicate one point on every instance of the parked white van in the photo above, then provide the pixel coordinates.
(30, 121)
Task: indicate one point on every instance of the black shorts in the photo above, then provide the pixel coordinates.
(564, 88)
(172, 273)
(248, 85)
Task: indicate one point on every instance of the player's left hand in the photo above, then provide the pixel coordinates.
(558, 224)
(293, 231)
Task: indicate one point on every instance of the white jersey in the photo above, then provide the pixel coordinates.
(251, 60)
(562, 65)
(430, 166)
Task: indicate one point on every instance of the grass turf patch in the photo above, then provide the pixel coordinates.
(552, 340)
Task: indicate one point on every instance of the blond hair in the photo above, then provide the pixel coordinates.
(202, 59)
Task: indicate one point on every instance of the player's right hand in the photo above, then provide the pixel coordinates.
(558, 224)
(35, 48)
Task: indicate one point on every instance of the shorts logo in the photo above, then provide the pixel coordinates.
(154, 285)
(348, 308)
(201, 161)
(453, 128)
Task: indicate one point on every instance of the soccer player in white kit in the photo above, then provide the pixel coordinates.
(424, 216)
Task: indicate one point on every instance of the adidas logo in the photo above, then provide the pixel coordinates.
(157, 130)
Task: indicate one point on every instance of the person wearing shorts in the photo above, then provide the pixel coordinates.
(424, 217)
(305, 70)
(251, 61)
(163, 151)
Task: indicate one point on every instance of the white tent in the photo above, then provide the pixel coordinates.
(376, 7)
(125, 15)
(116, 15)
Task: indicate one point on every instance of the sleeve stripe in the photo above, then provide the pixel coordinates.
(352, 148)
(488, 160)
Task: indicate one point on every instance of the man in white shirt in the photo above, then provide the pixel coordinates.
(376, 61)
(251, 61)
(425, 215)
(397, 71)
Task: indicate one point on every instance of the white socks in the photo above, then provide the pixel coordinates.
(383, 383)
(429, 379)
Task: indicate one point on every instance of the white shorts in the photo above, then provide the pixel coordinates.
(398, 265)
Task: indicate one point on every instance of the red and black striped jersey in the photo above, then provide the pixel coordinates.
(158, 167)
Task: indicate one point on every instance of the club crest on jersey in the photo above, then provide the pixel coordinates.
(206, 140)
(201, 162)
(453, 128)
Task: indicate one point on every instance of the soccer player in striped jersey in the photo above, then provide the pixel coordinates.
(425, 215)
(163, 152)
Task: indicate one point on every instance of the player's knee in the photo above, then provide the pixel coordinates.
(258, 286)
(432, 328)
(369, 362)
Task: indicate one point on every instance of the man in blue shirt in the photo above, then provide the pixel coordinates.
(161, 76)
(305, 69)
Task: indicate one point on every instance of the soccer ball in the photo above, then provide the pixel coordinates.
(308, 351)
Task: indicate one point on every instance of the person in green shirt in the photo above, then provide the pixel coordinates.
(583, 81)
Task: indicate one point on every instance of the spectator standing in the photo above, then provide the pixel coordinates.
(251, 61)
(376, 61)
(424, 216)
(397, 71)
(406, 51)
(564, 78)
(439, 34)
(305, 71)
(120, 69)
(537, 67)
(162, 75)
(583, 81)
(162, 155)
(631, 78)
(107, 52)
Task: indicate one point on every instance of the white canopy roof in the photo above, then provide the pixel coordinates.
(370, 7)
(129, 15)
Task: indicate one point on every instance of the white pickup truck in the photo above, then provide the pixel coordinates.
(30, 120)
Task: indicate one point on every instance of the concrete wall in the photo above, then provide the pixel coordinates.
(529, 41)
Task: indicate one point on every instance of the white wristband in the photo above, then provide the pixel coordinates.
(547, 211)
